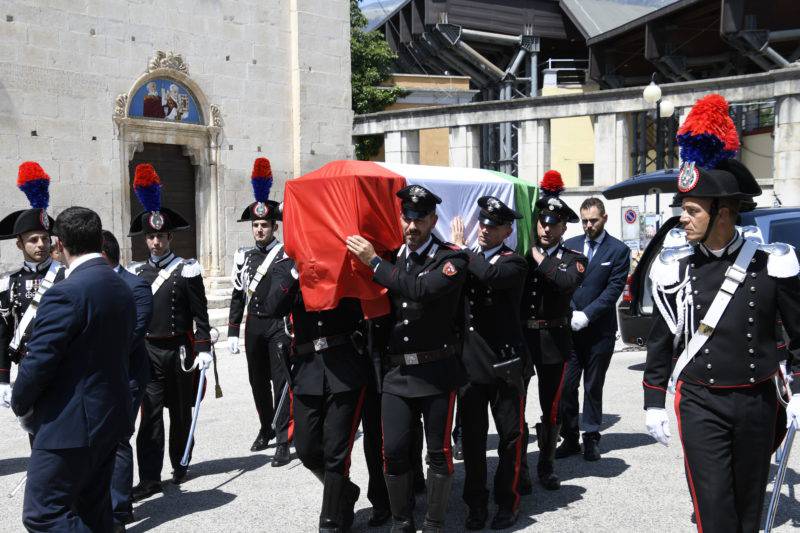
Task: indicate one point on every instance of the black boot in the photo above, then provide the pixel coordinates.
(570, 446)
(401, 502)
(349, 499)
(262, 440)
(438, 494)
(282, 455)
(476, 519)
(505, 518)
(547, 436)
(419, 482)
(145, 489)
(330, 517)
(591, 446)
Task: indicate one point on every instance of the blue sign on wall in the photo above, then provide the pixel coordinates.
(165, 99)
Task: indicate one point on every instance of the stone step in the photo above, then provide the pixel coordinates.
(218, 283)
(220, 301)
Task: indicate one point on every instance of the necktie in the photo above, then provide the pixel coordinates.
(592, 246)
(412, 257)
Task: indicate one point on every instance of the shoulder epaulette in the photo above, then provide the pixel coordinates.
(135, 267)
(782, 261)
(191, 268)
(5, 280)
(238, 257)
(666, 269)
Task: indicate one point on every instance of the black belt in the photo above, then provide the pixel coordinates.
(322, 343)
(418, 358)
(546, 324)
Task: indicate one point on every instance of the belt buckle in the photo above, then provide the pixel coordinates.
(411, 358)
(320, 344)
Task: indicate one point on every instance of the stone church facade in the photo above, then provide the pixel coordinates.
(200, 89)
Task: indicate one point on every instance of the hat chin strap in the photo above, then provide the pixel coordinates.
(713, 212)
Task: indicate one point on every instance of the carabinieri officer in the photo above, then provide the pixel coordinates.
(425, 278)
(723, 292)
(494, 355)
(555, 272)
(179, 307)
(253, 287)
(21, 288)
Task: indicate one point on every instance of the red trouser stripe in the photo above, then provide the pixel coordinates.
(353, 428)
(518, 452)
(447, 447)
(290, 430)
(557, 397)
(685, 459)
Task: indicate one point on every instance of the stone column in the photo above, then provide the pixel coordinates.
(786, 151)
(465, 146)
(534, 149)
(612, 159)
(401, 147)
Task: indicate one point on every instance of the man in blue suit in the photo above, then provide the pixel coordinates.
(72, 387)
(138, 376)
(594, 326)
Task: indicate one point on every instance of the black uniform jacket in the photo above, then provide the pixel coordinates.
(338, 368)
(179, 302)
(17, 289)
(427, 315)
(494, 327)
(743, 350)
(245, 264)
(546, 297)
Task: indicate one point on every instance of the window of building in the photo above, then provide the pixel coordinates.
(586, 172)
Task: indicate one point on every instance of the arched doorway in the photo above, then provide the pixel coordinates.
(177, 192)
(166, 120)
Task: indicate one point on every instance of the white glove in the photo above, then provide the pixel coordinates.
(204, 360)
(26, 421)
(658, 425)
(793, 412)
(579, 320)
(233, 344)
(5, 395)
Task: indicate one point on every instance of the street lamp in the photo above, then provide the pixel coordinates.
(664, 109)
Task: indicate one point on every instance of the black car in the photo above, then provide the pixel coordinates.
(635, 310)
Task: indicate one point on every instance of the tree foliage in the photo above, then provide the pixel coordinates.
(371, 64)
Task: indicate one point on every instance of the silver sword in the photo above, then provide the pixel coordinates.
(783, 462)
(214, 336)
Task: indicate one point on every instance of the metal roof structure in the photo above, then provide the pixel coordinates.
(595, 17)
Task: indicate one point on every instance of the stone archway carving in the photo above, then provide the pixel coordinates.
(200, 142)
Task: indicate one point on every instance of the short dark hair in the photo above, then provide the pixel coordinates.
(111, 247)
(593, 201)
(80, 231)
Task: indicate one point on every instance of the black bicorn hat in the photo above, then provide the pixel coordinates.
(35, 183)
(263, 208)
(155, 218)
(417, 201)
(552, 209)
(495, 213)
(708, 143)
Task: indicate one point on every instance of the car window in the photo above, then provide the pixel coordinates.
(786, 230)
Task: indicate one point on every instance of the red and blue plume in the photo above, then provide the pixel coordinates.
(709, 135)
(35, 183)
(552, 184)
(261, 178)
(147, 186)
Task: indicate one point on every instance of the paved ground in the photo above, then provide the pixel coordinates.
(637, 486)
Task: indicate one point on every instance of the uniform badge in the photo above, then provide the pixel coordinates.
(688, 177)
(493, 205)
(449, 270)
(580, 267)
(260, 209)
(156, 220)
(416, 193)
(44, 219)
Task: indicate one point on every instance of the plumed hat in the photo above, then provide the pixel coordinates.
(35, 183)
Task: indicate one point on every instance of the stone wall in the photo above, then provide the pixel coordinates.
(278, 71)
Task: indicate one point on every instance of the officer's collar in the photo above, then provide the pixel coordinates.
(161, 262)
(734, 244)
(488, 254)
(269, 246)
(30, 266)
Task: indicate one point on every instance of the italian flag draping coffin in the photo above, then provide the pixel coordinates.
(346, 198)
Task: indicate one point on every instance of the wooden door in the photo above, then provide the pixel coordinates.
(177, 193)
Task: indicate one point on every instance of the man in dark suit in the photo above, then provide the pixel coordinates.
(72, 387)
(594, 326)
(138, 376)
